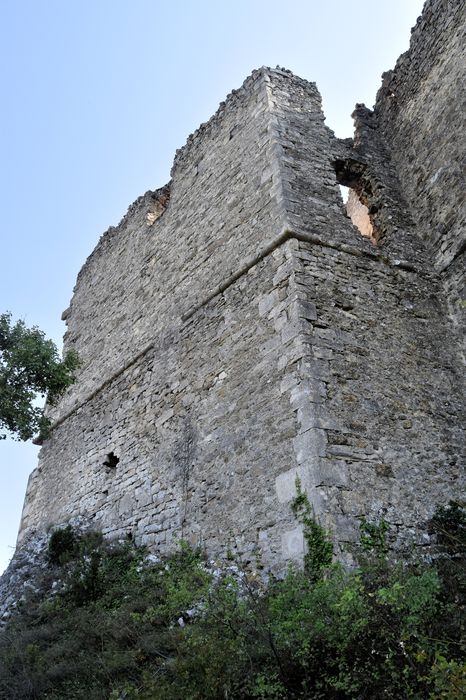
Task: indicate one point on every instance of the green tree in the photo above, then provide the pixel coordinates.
(30, 366)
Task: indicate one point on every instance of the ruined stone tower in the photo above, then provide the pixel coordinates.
(237, 330)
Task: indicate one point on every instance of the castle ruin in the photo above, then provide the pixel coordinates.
(237, 331)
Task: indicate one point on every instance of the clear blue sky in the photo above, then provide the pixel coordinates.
(98, 94)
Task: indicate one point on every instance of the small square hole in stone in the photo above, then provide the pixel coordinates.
(111, 461)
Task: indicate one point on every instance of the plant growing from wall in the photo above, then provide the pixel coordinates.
(319, 549)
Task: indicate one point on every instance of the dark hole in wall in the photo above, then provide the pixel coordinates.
(111, 461)
(350, 172)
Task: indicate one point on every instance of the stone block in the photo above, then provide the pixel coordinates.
(285, 485)
(293, 544)
(310, 445)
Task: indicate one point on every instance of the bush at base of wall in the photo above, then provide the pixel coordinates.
(109, 621)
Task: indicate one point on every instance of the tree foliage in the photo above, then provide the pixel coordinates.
(30, 366)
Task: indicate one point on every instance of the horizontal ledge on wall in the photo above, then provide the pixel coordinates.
(286, 234)
(102, 386)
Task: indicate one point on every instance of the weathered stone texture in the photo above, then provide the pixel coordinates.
(193, 423)
(224, 207)
(393, 390)
(238, 332)
(420, 112)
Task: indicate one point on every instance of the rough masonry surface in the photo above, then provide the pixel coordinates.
(237, 330)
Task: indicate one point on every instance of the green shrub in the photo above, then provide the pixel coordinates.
(449, 524)
(122, 627)
(62, 545)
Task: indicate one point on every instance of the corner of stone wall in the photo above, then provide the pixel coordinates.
(303, 382)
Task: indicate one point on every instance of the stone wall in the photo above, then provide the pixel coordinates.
(392, 396)
(224, 207)
(194, 425)
(420, 114)
(237, 331)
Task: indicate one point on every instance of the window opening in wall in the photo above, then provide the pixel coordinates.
(356, 192)
(357, 212)
(111, 461)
